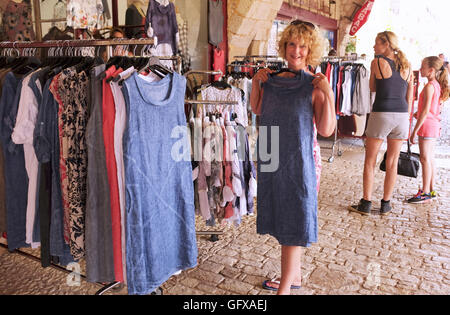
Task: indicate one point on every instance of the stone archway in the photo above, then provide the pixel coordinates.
(250, 22)
(249, 25)
(347, 9)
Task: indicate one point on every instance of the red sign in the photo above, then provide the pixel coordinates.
(361, 17)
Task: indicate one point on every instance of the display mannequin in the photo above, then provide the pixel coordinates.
(135, 15)
(163, 3)
(161, 22)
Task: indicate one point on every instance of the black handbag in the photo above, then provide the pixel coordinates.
(408, 163)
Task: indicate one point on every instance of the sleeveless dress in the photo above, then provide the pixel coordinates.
(159, 192)
(287, 190)
(431, 128)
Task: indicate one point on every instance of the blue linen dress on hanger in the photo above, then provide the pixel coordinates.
(160, 214)
(287, 195)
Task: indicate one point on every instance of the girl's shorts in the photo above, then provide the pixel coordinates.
(430, 129)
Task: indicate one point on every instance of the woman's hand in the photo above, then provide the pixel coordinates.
(413, 137)
(257, 92)
(321, 82)
(262, 75)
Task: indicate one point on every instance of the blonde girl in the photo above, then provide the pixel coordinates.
(428, 126)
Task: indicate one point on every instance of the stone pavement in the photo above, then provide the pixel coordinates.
(406, 252)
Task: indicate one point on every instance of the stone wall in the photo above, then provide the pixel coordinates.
(346, 8)
(250, 22)
(249, 25)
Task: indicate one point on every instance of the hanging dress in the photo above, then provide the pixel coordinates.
(159, 192)
(287, 191)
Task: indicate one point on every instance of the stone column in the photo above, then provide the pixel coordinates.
(347, 7)
(249, 25)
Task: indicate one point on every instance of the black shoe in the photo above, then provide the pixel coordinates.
(363, 207)
(385, 207)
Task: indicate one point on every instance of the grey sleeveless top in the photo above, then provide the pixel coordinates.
(215, 22)
(391, 92)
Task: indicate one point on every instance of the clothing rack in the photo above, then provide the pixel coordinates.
(90, 43)
(82, 43)
(189, 86)
(211, 102)
(258, 56)
(214, 234)
(77, 43)
(251, 58)
(173, 58)
(104, 288)
(233, 64)
(253, 62)
(213, 72)
(336, 146)
(341, 58)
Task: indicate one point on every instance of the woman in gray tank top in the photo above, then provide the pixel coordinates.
(391, 79)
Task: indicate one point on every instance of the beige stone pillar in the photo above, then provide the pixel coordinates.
(249, 25)
(346, 7)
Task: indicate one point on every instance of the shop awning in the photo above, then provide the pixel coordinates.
(361, 17)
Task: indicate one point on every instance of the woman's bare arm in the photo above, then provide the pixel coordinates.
(323, 103)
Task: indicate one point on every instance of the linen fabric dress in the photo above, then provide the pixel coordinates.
(160, 214)
(287, 194)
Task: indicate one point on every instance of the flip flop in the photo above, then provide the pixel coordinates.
(266, 285)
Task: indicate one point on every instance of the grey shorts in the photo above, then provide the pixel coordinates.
(382, 125)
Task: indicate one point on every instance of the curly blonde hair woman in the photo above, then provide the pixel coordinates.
(309, 36)
(291, 101)
(392, 80)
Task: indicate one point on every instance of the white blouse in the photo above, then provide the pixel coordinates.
(85, 14)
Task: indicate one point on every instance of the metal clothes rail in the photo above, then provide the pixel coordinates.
(77, 43)
(104, 288)
(81, 43)
(257, 56)
(90, 43)
(214, 234)
(199, 102)
(336, 146)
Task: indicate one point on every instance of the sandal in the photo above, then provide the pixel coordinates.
(266, 285)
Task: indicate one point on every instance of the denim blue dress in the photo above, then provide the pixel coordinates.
(160, 213)
(16, 178)
(287, 195)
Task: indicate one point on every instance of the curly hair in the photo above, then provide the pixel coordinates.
(309, 36)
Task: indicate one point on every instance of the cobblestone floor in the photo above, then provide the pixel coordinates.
(406, 252)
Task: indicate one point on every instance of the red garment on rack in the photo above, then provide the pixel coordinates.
(219, 62)
(339, 90)
(109, 114)
(54, 86)
(328, 72)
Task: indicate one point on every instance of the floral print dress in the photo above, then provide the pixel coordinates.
(17, 21)
(85, 14)
(75, 119)
(70, 90)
